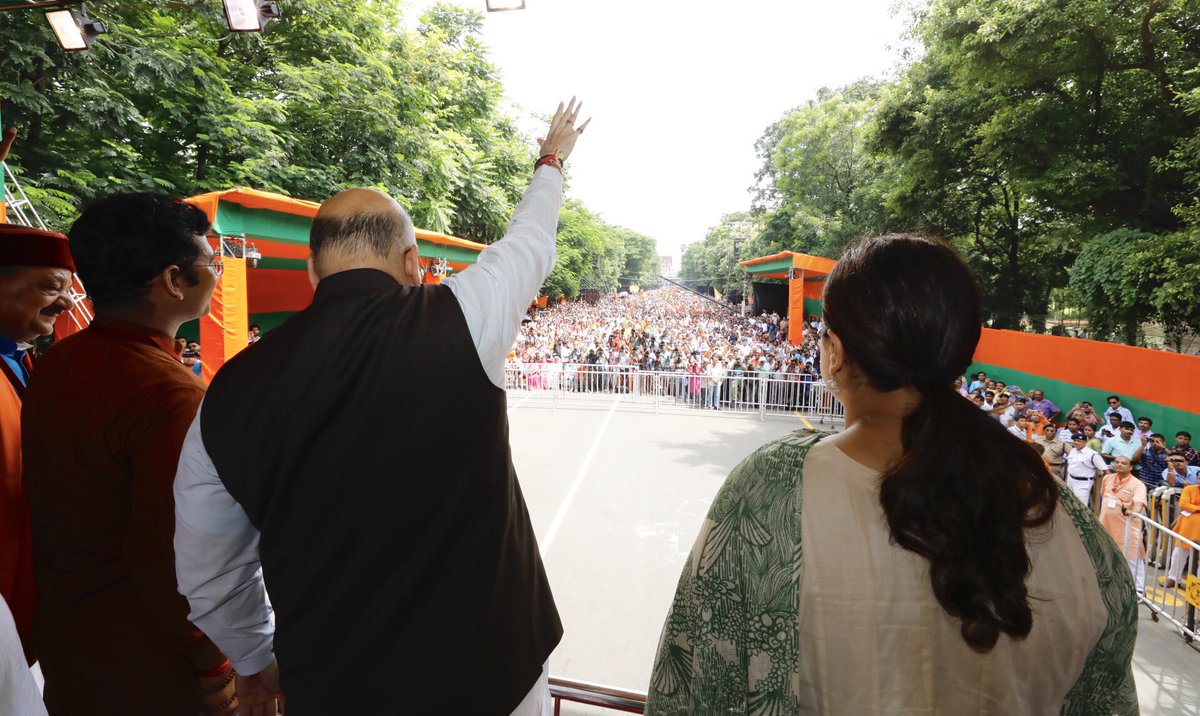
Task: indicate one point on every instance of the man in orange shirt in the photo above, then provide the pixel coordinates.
(35, 279)
(104, 419)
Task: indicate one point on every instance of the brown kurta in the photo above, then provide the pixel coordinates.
(104, 419)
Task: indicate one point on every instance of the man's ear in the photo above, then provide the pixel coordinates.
(312, 273)
(412, 264)
(171, 280)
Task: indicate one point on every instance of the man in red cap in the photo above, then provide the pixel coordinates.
(35, 281)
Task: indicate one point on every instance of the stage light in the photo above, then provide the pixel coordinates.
(501, 5)
(74, 30)
(250, 15)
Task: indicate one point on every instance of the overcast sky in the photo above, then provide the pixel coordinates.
(680, 90)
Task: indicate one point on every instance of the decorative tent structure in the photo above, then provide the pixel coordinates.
(805, 279)
(263, 241)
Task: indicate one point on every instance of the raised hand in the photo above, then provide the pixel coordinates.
(562, 133)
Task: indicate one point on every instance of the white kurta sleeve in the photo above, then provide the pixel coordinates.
(496, 291)
(217, 562)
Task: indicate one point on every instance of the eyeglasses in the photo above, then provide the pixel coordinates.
(1176, 459)
(217, 265)
(1113, 402)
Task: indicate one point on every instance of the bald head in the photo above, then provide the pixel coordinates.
(359, 228)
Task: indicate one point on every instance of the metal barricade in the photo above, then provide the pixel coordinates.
(586, 692)
(1166, 579)
(758, 393)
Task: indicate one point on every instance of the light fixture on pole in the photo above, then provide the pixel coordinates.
(250, 15)
(501, 5)
(73, 29)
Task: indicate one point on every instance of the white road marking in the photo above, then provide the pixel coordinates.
(587, 461)
(521, 402)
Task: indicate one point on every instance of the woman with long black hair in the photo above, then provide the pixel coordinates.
(922, 561)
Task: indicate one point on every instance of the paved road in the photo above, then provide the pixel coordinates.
(617, 497)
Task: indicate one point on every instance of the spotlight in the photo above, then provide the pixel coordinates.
(501, 5)
(73, 29)
(250, 15)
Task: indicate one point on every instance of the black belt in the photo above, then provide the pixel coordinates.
(1072, 477)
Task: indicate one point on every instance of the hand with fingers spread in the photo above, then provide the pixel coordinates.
(560, 138)
(260, 694)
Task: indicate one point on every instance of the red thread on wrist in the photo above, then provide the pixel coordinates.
(548, 159)
(223, 668)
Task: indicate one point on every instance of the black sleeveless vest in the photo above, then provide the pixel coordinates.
(367, 445)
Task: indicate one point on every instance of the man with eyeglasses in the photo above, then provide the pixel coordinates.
(104, 419)
(1175, 477)
(1114, 406)
(1178, 472)
(35, 281)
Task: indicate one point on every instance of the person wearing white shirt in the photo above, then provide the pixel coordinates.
(19, 694)
(1083, 463)
(1065, 433)
(1018, 427)
(1114, 406)
(405, 620)
(1112, 428)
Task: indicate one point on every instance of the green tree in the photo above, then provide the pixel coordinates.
(820, 183)
(1114, 288)
(714, 263)
(332, 96)
(1026, 127)
(593, 254)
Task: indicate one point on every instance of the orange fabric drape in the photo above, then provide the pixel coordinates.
(279, 290)
(796, 308)
(223, 331)
(16, 543)
(1155, 376)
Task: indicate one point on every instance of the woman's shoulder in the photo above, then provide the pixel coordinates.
(784, 455)
(772, 469)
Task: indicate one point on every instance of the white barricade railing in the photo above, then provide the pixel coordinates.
(735, 392)
(1166, 577)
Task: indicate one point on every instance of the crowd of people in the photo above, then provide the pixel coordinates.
(660, 330)
(1111, 461)
(700, 352)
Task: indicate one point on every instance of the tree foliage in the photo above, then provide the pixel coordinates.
(334, 95)
(593, 254)
(820, 181)
(713, 263)
(1027, 133)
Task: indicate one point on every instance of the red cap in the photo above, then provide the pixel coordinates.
(23, 246)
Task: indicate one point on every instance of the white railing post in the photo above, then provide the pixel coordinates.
(762, 396)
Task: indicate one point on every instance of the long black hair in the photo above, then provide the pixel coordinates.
(907, 310)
